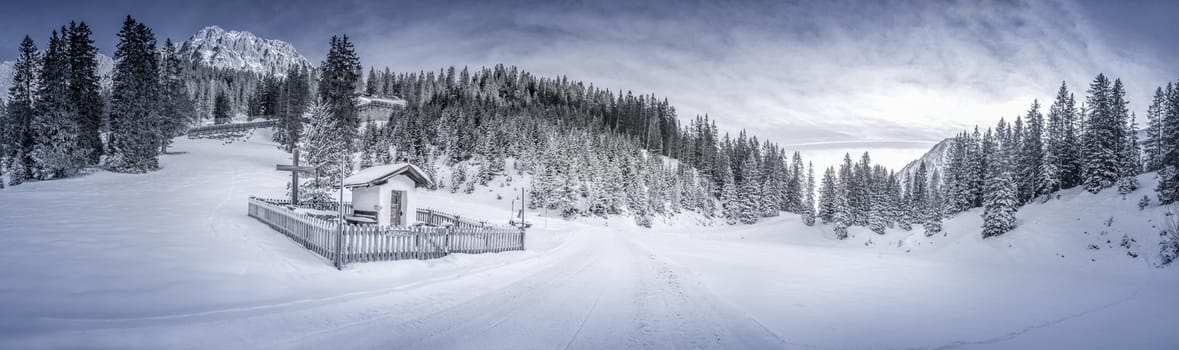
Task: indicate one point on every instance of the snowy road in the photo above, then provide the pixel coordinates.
(170, 260)
(602, 292)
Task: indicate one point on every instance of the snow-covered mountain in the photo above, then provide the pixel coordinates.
(106, 65)
(935, 159)
(218, 48)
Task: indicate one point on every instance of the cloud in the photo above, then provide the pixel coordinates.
(793, 72)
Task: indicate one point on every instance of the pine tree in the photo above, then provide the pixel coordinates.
(919, 187)
(729, 198)
(749, 191)
(20, 111)
(221, 109)
(54, 128)
(999, 203)
(177, 110)
(808, 216)
(841, 215)
(1154, 131)
(1168, 187)
(321, 149)
(827, 196)
(1101, 141)
(339, 76)
(85, 91)
(933, 211)
(294, 96)
(1131, 160)
(134, 116)
(1063, 143)
(1032, 154)
(370, 88)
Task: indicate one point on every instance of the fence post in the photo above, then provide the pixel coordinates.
(446, 239)
(521, 239)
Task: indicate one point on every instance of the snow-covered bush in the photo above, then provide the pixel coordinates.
(1169, 247)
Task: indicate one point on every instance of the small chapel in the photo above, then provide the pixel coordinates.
(385, 194)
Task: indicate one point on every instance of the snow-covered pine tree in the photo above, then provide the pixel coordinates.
(918, 193)
(749, 190)
(728, 198)
(1101, 142)
(370, 84)
(85, 91)
(808, 215)
(999, 204)
(976, 157)
(20, 111)
(1032, 153)
(840, 214)
(1062, 144)
(1168, 187)
(933, 210)
(134, 141)
(294, 96)
(321, 149)
(827, 193)
(339, 75)
(1131, 159)
(176, 107)
(1152, 148)
(54, 127)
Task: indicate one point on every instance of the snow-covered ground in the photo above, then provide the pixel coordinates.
(170, 260)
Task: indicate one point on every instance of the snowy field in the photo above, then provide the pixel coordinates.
(170, 260)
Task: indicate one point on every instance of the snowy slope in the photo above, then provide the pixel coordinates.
(170, 260)
(239, 50)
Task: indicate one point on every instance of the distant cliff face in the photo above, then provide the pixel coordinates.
(217, 48)
(935, 159)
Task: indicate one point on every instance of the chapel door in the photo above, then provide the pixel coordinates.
(395, 208)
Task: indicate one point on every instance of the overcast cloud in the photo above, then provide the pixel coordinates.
(850, 73)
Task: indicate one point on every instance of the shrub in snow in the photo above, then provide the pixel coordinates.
(808, 218)
(457, 177)
(933, 226)
(1169, 247)
(1127, 184)
(840, 230)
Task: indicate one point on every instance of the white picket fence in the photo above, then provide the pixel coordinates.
(364, 243)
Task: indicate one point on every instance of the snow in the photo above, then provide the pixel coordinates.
(170, 260)
(375, 173)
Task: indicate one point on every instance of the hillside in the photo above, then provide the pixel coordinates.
(134, 253)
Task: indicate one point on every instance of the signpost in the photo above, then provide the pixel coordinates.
(295, 169)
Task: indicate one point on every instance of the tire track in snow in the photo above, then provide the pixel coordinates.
(1016, 333)
(585, 318)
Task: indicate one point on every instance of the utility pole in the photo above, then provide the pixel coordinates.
(340, 218)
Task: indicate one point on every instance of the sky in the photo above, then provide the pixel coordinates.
(825, 76)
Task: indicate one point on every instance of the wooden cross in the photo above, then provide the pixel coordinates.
(295, 169)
